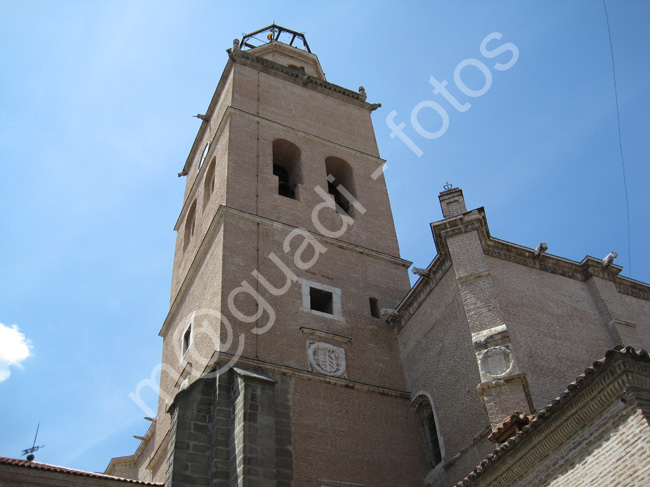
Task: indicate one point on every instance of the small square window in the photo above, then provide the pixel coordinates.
(320, 300)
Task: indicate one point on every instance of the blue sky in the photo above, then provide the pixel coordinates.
(96, 106)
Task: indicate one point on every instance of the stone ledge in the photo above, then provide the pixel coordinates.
(222, 357)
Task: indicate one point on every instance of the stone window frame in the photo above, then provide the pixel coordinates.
(337, 313)
(423, 407)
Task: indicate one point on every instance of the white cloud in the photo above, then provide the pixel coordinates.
(14, 348)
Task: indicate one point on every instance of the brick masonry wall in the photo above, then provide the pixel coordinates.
(438, 359)
(615, 450)
(343, 436)
(554, 325)
(247, 428)
(503, 398)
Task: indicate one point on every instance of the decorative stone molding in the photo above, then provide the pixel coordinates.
(495, 362)
(280, 70)
(500, 249)
(471, 277)
(270, 367)
(497, 335)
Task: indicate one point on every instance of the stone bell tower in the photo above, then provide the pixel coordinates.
(278, 368)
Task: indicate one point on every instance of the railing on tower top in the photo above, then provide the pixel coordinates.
(274, 33)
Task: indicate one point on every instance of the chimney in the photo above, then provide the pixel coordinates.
(452, 202)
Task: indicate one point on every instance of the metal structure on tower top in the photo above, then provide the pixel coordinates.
(274, 33)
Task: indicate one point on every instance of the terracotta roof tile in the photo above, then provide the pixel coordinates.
(54, 468)
(509, 427)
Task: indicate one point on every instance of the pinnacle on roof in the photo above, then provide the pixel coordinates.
(274, 33)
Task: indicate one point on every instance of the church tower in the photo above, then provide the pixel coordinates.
(278, 368)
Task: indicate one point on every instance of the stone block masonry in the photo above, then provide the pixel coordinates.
(231, 430)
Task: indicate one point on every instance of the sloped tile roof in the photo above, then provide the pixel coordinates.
(54, 468)
(538, 419)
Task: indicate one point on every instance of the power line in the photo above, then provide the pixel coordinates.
(620, 144)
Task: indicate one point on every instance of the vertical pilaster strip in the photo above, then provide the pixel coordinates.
(188, 457)
(220, 432)
(594, 285)
(503, 389)
(253, 426)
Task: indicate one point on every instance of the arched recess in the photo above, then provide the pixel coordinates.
(208, 182)
(340, 184)
(286, 167)
(423, 406)
(190, 222)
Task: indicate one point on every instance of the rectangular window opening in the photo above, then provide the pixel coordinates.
(187, 340)
(320, 300)
(374, 308)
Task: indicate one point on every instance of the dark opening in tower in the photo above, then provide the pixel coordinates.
(340, 184)
(286, 167)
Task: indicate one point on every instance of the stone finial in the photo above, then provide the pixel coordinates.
(362, 92)
(452, 202)
(235, 44)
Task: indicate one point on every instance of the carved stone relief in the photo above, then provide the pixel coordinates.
(326, 359)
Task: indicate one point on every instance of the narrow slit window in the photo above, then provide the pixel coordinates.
(374, 308)
(432, 436)
(320, 300)
(187, 340)
(190, 223)
(208, 184)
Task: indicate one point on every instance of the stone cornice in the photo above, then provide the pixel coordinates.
(222, 357)
(500, 249)
(476, 220)
(219, 215)
(276, 69)
(419, 292)
(227, 114)
(298, 76)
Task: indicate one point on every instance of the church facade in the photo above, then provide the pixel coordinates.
(295, 351)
